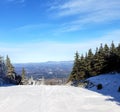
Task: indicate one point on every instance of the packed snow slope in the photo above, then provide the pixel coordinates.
(110, 86)
(53, 99)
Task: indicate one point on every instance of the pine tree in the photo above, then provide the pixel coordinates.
(10, 69)
(95, 69)
(8, 62)
(75, 72)
(112, 59)
(82, 68)
(101, 60)
(89, 62)
(7, 71)
(104, 60)
(112, 48)
(106, 50)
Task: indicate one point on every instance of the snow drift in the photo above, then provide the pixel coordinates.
(110, 85)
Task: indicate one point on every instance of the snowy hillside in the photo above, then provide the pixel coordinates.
(110, 85)
(53, 99)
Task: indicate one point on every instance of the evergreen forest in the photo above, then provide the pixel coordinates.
(7, 72)
(105, 59)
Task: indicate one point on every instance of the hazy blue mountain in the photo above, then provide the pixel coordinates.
(50, 69)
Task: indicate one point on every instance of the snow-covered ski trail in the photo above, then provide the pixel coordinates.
(53, 99)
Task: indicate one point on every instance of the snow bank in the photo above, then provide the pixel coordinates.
(110, 84)
(53, 99)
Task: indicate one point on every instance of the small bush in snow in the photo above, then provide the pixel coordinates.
(99, 86)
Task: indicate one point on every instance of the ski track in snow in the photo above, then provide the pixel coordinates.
(53, 99)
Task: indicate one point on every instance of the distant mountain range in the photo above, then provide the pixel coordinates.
(50, 69)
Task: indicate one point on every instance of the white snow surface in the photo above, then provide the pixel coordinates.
(53, 99)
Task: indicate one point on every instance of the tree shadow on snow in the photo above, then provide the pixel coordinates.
(114, 95)
(7, 85)
(113, 100)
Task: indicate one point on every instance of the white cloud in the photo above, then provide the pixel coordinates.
(88, 6)
(54, 51)
(88, 11)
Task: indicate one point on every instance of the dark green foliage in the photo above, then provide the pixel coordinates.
(99, 86)
(75, 72)
(104, 60)
(7, 72)
(18, 79)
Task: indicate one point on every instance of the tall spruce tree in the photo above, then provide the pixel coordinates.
(82, 68)
(101, 59)
(112, 48)
(112, 60)
(90, 62)
(75, 71)
(106, 50)
(9, 68)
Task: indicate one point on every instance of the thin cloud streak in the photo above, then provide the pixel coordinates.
(87, 11)
(73, 7)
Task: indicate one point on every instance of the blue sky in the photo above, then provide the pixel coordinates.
(53, 30)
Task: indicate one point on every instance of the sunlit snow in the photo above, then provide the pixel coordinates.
(53, 99)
